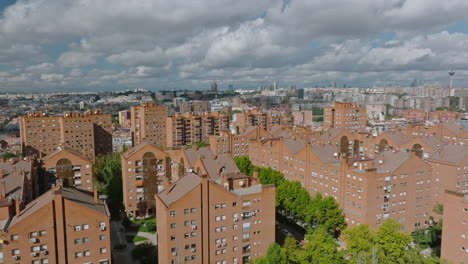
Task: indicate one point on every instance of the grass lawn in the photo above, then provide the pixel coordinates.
(136, 238)
(142, 224)
(144, 221)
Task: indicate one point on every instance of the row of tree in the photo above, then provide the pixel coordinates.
(295, 202)
(387, 245)
(325, 222)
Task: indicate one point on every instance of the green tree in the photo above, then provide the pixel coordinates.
(244, 165)
(360, 243)
(290, 248)
(270, 176)
(107, 171)
(274, 255)
(391, 242)
(8, 155)
(146, 253)
(320, 248)
(201, 144)
(325, 212)
(287, 198)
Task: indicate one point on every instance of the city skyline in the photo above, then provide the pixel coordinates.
(62, 46)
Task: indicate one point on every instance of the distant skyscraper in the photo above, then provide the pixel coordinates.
(214, 87)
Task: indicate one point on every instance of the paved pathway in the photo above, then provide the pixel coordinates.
(118, 237)
(149, 236)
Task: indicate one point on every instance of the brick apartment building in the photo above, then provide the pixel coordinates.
(450, 172)
(146, 170)
(454, 246)
(186, 129)
(149, 124)
(414, 115)
(444, 116)
(74, 169)
(89, 133)
(265, 120)
(345, 116)
(391, 185)
(195, 107)
(235, 145)
(19, 179)
(61, 226)
(304, 117)
(230, 219)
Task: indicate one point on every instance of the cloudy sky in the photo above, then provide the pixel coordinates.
(96, 45)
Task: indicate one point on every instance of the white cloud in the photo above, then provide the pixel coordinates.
(184, 44)
(75, 59)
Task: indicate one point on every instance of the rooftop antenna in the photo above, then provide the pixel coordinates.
(451, 74)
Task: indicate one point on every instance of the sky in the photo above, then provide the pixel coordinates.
(113, 45)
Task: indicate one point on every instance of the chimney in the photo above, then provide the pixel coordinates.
(17, 206)
(95, 195)
(3, 194)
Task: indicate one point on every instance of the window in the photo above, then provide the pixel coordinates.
(14, 237)
(103, 250)
(85, 240)
(193, 210)
(102, 237)
(35, 262)
(42, 233)
(85, 227)
(77, 241)
(186, 223)
(186, 211)
(87, 253)
(33, 234)
(173, 237)
(172, 213)
(77, 228)
(44, 247)
(173, 225)
(44, 261)
(35, 248)
(78, 254)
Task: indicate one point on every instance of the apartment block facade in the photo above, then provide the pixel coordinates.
(148, 124)
(227, 220)
(89, 133)
(186, 129)
(61, 226)
(265, 120)
(195, 107)
(233, 145)
(345, 116)
(74, 169)
(391, 185)
(414, 115)
(454, 246)
(146, 170)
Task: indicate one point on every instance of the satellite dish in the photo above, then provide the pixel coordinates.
(241, 183)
